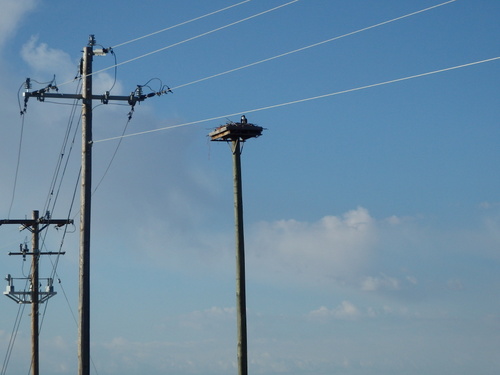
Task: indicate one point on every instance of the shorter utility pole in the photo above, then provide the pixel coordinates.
(236, 133)
(34, 296)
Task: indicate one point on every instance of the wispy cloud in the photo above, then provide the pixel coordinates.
(346, 310)
(331, 248)
(385, 282)
(12, 12)
(46, 60)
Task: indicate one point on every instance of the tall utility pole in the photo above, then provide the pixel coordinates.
(86, 184)
(236, 133)
(85, 195)
(34, 295)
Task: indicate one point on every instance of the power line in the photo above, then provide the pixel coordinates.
(188, 40)
(61, 156)
(112, 157)
(261, 61)
(13, 335)
(305, 99)
(199, 36)
(109, 163)
(314, 45)
(180, 24)
(17, 167)
(267, 59)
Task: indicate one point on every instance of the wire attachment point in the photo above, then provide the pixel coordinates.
(105, 98)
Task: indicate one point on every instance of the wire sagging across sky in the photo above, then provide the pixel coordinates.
(180, 24)
(304, 100)
(186, 40)
(242, 20)
(314, 45)
(199, 36)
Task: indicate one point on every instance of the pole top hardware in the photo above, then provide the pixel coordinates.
(101, 52)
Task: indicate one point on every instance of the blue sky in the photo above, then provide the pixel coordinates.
(372, 215)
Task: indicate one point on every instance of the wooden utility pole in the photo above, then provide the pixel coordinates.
(236, 133)
(34, 295)
(241, 305)
(86, 184)
(85, 205)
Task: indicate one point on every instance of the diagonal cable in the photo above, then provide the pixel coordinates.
(305, 99)
(314, 45)
(188, 40)
(180, 24)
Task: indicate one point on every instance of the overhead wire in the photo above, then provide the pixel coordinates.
(110, 161)
(180, 24)
(277, 56)
(112, 157)
(22, 111)
(57, 180)
(190, 39)
(271, 58)
(258, 109)
(12, 339)
(261, 61)
(112, 51)
(62, 155)
(54, 273)
(267, 59)
(51, 194)
(61, 179)
(56, 262)
(18, 162)
(59, 162)
(55, 194)
(54, 180)
(313, 45)
(255, 63)
(199, 36)
(304, 99)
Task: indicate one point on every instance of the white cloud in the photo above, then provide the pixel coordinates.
(121, 355)
(47, 61)
(489, 205)
(383, 282)
(103, 82)
(331, 248)
(346, 310)
(11, 14)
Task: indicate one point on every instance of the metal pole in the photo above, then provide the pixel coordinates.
(240, 261)
(34, 297)
(85, 194)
